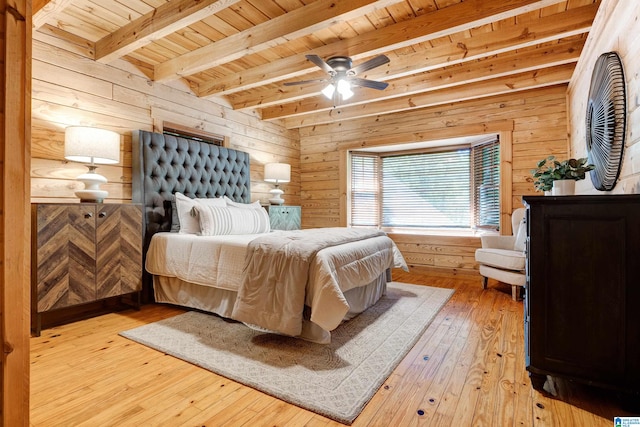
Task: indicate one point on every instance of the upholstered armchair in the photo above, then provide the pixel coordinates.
(503, 257)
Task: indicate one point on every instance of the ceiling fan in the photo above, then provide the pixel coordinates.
(342, 75)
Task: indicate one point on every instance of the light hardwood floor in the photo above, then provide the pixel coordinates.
(467, 369)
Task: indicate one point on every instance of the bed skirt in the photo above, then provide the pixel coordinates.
(172, 290)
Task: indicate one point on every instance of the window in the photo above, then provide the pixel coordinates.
(486, 180)
(192, 134)
(456, 187)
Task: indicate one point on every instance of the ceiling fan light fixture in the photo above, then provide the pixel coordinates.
(328, 91)
(344, 89)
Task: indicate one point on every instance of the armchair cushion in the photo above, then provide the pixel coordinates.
(501, 258)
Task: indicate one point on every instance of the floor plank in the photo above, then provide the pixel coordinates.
(466, 369)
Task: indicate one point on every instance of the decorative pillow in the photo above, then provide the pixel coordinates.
(175, 220)
(171, 215)
(521, 236)
(215, 220)
(187, 216)
(254, 205)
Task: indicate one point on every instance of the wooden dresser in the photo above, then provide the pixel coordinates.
(83, 252)
(284, 217)
(583, 291)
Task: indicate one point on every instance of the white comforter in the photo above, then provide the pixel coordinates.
(218, 261)
(215, 261)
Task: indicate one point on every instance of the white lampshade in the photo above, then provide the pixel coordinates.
(92, 146)
(344, 89)
(328, 91)
(277, 173)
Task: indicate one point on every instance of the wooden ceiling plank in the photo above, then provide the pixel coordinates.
(44, 10)
(523, 35)
(270, 9)
(297, 23)
(519, 82)
(80, 24)
(156, 24)
(502, 66)
(451, 20)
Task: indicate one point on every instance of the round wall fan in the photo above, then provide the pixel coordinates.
(342, 75)
(606, 120)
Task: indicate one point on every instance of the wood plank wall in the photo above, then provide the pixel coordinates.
(539, 122)
(615, 28)
(71, 89)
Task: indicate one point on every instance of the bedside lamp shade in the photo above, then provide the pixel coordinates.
(92, 146)
(277, 173)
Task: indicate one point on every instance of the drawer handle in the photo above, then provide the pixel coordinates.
(88, 215)
(102, 214)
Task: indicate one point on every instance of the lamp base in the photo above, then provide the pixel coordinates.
(91, 196)
(91, 192)
(276, 199)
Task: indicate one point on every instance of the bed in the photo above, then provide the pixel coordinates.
(230, 274)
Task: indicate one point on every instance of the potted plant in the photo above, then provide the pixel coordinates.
(559, 177)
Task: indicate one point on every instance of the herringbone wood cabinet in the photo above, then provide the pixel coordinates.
(284, 217)
(83, 252)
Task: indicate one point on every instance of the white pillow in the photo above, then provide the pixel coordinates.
(215, 220)
(254, 205)
(521, 236)
(189, 223)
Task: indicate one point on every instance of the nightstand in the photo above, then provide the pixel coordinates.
(82, 253)
(284, 217)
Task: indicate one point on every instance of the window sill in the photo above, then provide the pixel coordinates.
(441, 232)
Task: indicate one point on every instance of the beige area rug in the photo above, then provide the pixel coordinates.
(335, 380)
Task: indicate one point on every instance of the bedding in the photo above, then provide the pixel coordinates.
(273, 289)
(216, 220)
(188, 221)
(221, 262)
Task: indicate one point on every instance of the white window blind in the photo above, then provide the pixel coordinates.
(486, 180)
(365, 195)
(455, 188)
(426, 190)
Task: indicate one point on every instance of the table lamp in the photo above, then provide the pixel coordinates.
(277, 173)
(93, 146)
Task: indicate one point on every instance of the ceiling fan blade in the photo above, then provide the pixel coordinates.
(372, 63)
(368, 83)
(320, 63)
(304, 82)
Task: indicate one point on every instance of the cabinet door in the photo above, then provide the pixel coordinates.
(118, 249)
(65, 254)
(284, 217)
(578, 294)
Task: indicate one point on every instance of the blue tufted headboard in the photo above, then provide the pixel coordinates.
(164, 164)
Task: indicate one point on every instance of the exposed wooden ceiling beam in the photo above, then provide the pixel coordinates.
(450, 20)
(166, 19)
(491, 68)
(521, 35)
(522, 81)
(297, 23)
(36, 5)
